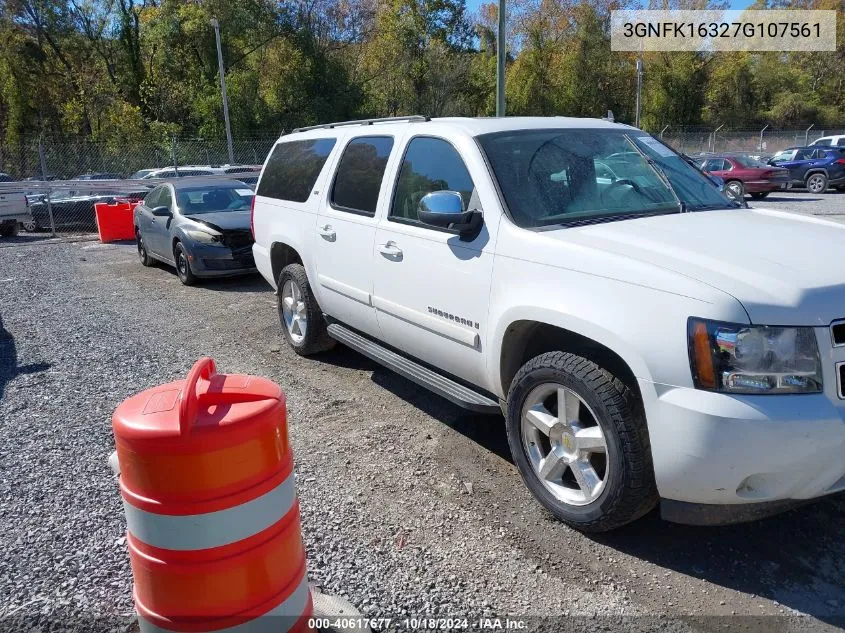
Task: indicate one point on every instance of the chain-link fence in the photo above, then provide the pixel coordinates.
(760, 141)
(52, 187)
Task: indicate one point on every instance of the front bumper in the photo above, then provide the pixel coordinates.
(719, 449)
(220, 261)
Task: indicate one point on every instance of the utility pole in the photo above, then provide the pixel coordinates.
(222, 73)
(501, 56)
(639, 90)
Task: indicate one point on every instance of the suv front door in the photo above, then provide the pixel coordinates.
(432, 289)
(346, 228)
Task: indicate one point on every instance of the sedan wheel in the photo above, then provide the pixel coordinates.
(565, 444)
(735, 190)
(30, 226)
(817, 183)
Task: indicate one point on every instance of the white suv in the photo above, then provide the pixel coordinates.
(645, 337)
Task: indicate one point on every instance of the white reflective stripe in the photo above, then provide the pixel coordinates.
(276, 620)
(212, 529)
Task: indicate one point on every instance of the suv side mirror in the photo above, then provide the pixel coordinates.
(162, 212)
(445, 209)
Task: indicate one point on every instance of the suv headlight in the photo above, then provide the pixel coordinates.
(753, 359)
(204, 237)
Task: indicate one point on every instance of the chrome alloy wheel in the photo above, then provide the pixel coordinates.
(565, 444)
(816, 183)
(293, 311)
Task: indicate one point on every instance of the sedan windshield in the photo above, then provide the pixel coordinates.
(213, 199)
(574, 176)
(748, 162)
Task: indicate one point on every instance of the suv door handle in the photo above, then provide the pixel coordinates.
(390, 250)
(327, 231)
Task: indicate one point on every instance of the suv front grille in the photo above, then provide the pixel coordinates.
(837, 333)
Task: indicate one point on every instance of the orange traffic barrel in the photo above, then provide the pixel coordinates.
(206, 476)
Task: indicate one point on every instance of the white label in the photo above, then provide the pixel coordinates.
(245, 192)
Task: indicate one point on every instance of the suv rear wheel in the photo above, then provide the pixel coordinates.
(816, 183)
(579, 439)
(302, 319)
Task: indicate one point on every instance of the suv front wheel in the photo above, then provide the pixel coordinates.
(579, 439)
(302, 319)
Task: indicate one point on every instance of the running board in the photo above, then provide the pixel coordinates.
(423, 376)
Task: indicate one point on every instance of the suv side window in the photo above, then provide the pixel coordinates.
(841, 142)
(430, 164)
(360, 173)
(293, 169)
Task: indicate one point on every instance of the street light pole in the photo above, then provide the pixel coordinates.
(501, 51)
(216, 26)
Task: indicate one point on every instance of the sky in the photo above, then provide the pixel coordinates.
(473, 5)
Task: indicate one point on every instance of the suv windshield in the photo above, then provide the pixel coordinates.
(573, 176)
(214, 199)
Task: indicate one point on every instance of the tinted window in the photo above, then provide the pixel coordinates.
(360, 172)
(841, 142)
(823, 141)
(293, 168)
(430, 164)
(213, 199)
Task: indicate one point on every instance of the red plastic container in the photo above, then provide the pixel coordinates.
(114, 221)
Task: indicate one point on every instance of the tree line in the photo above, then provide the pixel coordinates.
(127, 71)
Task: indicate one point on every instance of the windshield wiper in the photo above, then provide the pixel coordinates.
(661, 175)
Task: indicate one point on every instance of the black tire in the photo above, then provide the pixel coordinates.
(760, 195)
(9, 229)
(143, 255)
(629, 490)
(183, 265)
(737, 187)
(315, 338)
(816, 182)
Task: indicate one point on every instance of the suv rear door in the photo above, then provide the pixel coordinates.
(346, 228)
(432, 289)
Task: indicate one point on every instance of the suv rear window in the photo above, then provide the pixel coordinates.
(293, 169)
(360, 172)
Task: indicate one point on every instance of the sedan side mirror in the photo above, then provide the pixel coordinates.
(445, 209)
(162, 212)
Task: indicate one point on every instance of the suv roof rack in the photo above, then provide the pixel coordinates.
(412, 118)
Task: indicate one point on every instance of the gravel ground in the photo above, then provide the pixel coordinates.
(410, 505)
(829, 205)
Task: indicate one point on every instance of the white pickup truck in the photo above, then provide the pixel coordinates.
(646, 338)
(14, 209)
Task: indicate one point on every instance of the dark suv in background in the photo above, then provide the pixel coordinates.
(815, 168)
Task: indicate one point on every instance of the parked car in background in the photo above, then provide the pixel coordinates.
(6, 177)
(200, 226)
(247, 174)
(815, 168)
(73, 209)
(99, 176)
(745, 175)
(143, 173)
(837, 140)
(180, 172)
(14, 210)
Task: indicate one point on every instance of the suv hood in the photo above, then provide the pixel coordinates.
(785, 269)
